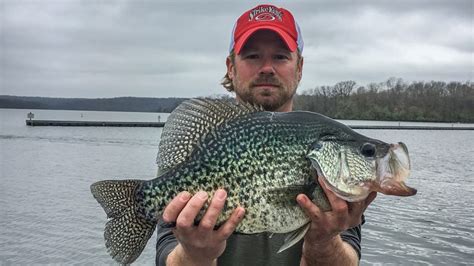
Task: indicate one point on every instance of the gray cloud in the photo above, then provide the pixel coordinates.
(165, 49)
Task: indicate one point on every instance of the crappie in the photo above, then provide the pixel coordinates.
(262, 159)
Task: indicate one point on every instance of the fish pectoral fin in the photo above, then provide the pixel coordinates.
(286, 196)
(294, 237)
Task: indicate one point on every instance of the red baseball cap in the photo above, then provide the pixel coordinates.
(267, 17)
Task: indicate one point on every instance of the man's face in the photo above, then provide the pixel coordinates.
(266, 72)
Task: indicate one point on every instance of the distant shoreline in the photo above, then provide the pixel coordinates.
(125, 111)
(119, 104)
(167, 105)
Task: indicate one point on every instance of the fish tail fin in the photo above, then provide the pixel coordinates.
(127, 231)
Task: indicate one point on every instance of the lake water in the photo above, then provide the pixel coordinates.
(48, 215)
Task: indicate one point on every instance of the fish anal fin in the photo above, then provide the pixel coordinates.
(126, 236)
(294, 237)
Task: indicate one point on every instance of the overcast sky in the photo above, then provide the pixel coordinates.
(145, 48)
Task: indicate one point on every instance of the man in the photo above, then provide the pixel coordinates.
(264, 67)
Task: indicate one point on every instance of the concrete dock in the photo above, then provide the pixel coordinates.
(65, 123)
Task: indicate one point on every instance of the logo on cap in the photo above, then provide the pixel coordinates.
(265, 13)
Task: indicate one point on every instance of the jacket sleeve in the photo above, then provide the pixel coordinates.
(352, 236)
(165, 243)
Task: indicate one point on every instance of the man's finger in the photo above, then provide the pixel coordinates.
(229, 226)
(171, 212)
(214, 210)
(308, 207)
(187, 216)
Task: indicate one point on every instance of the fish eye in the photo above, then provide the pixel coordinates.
(368, 149)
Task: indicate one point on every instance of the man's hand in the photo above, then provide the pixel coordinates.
(201, 244)
(322, 241)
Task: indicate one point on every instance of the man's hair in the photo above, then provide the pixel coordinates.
(227, 81)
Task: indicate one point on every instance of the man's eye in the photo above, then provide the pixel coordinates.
(281, 57)
(252, 56)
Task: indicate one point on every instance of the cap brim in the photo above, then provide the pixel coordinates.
(289, 41)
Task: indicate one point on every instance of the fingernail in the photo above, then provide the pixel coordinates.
(240, 213)
(221, 194)
(185, 196)
(302, 199)
(202, 195)
(165, 217)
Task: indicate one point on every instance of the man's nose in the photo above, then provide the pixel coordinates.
(267, 66)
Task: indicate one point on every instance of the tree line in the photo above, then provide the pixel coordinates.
(392, 100)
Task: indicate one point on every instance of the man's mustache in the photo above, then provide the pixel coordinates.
(267, 80)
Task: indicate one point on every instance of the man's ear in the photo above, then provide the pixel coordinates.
(230, 67)
(300, 69)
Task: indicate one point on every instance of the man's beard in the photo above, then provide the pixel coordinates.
(280, 97)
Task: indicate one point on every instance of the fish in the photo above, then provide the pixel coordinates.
(262, 159)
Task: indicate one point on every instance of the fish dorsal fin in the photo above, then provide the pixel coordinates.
(192, 120)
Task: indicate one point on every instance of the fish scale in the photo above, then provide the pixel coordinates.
(262, 159)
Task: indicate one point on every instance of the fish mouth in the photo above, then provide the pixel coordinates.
(392, 171)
